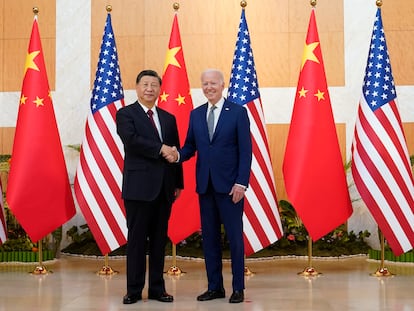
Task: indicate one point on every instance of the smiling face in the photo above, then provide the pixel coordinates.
(148, 90)
(212, 83)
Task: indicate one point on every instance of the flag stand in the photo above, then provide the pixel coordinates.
(309, 270)
(174, 270)
(106, 269)
(40, 268)
(382, 271)
(247, 271)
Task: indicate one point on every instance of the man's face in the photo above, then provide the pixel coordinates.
(212, 86)
(148, 90)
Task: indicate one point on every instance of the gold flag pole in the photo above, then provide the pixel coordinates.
(106, 269)
(382, 270)
(309, 270)
(247, 271)
(174, 270)
(40, 268)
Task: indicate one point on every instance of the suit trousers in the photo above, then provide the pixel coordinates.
(215, 209)
(147, 224)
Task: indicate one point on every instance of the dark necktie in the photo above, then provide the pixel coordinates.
(210, 122)
(150, 113)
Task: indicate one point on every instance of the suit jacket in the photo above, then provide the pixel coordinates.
(227, 158)
(146, 172)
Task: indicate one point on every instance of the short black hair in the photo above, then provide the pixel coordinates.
(148, 72)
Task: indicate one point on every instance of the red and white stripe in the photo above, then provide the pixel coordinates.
(261, 220)
(98, 180)
(382, 173)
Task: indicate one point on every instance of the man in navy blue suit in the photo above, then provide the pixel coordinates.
(219, 131)
(150, 185)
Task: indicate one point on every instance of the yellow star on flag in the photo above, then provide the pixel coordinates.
(23, 100)
(320, 95)
(38, 101)
(302, 92)
(30, 61)
(308, 53)
(170, 59)
(180, 100)
(164, 96)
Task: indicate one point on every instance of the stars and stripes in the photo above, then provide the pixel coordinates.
(261, 220)
(380, 162)
(98, 178)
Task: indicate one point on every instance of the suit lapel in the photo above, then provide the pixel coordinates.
(143, 117)
(222, 118)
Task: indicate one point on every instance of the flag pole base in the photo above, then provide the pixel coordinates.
(309, 271)
(106, 270)
(40, 270)
(174, 270)
(248, 272)
(382, 272)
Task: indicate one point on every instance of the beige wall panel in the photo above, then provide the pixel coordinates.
(1, 24)
(267, 16)
(127, 17)
(409, 136)
(333, 56)
(14, 54)
(398, 15)
(2, 64)
(203, 55)
(400, 48)
(272, 62)
(277, 135)
(329, 15)
(19, 16)
(155, 49)
(296, 46)
(6, 139)
(17, 26)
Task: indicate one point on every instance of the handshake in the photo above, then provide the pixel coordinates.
(169, 153)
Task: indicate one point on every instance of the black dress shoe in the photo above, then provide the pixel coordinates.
(164, 297)
(237, 296)
(211, 294)
(128, 299)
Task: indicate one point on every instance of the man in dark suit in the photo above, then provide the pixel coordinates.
(223, 170)
(150, 185)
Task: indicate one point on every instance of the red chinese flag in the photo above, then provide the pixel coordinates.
(38, 190)
(313, 170)
(176, 98)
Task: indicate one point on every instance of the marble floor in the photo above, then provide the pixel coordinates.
(344, 284)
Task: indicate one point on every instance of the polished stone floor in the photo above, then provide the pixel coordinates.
(344, 284)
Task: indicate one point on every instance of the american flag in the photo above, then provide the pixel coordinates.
(3, 227)
(380, 162)
(98, 178)
(261, 220)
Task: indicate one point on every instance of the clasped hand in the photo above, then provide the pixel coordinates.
(169, 153)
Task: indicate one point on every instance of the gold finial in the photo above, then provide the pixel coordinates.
(109, 8)
(35, 10)
(313, 3)
(379, 3)
(243, 3)
(176, 6)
